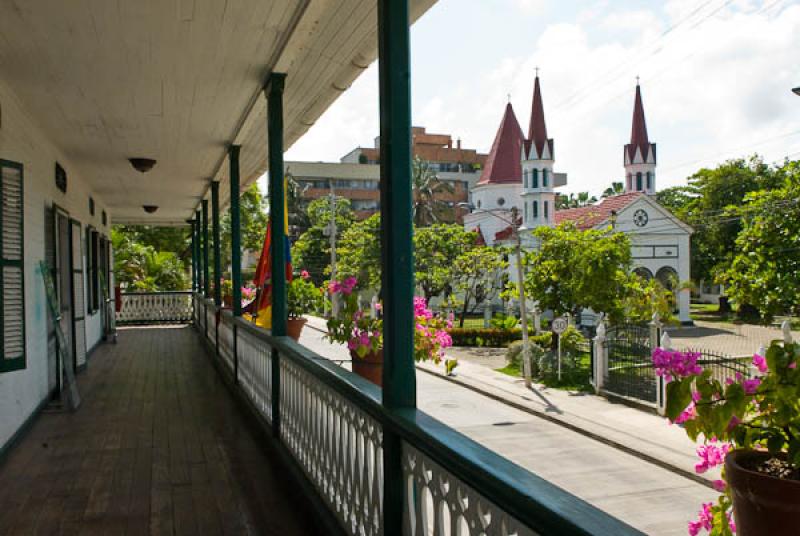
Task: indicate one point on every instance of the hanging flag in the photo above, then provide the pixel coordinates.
(260, 309)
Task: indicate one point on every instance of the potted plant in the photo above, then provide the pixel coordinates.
(751, 427)
(301, 297)
(362, 331)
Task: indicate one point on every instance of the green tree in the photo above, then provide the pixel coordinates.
(478, 277)
(616, 188)
(766, 267)
(359, 253)
(436, 249)
(581, 199)
(676, 199)
(312, 251)
(253, 220)
(715, 193)
(140, 266)
(427, 205)
(574, 269)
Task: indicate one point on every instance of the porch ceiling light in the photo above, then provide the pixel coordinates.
(796, 90)
(142, 165)
(150, 208)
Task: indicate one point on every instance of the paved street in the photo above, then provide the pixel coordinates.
(648, 497)
(725, 338)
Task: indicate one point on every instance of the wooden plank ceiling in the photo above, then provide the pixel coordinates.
(177, 81)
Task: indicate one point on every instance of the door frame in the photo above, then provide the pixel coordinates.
(60, 261)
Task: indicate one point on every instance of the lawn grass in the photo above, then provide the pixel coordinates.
(578, 379)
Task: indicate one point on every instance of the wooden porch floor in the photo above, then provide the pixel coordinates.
(159, 446)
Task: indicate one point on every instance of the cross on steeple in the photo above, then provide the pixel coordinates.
(537, 71)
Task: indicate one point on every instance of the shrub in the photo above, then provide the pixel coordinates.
(494, 337)
(514, 356)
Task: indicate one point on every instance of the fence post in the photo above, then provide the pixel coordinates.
(600, 356)
(661, 384)
(655, 331)
(786, 328)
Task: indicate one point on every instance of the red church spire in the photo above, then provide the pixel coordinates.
(537, 130)
(503, 163)
(639, 137)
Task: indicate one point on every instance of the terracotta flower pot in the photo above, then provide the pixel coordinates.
(227, 301)
(762, 504)
(369, 367)
(294, 326)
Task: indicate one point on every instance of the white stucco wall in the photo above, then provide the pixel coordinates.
(24, 142)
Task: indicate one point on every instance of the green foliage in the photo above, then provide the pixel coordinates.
(253, 220)
(575, 269)
(494, 337)
(359, 253)
(644, 298)
(502, 321)
(514, 356)
(428, 205)
(312, 250)
(711, 193)
(138, 265)
(581, 199)
(302, 297)
(478, 277)
(764, 271)
(436, 249)
(572, 341)
(616, 188)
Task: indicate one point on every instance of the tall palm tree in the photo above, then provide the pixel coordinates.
(615, 189)
(428, 205)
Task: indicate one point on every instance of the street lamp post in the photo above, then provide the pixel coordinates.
(523, 308)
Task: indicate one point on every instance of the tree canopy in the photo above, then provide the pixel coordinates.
(312, 250)
(765, 270)
(253, 218)
(427, 205)
(478, 275)
(359, 253)
(148, 258)
(436, 249)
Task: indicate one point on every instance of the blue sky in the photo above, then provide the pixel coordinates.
(716, 78)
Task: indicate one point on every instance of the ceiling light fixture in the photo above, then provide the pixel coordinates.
(150, 208)
(142, 165)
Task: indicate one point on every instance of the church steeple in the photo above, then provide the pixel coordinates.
(502, 164)
(640, 154)
(538, 146)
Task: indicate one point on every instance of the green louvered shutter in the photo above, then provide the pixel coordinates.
(12, 277)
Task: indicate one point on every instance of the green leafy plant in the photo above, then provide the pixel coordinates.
(742, 413)
(302, 296)
(502, 321)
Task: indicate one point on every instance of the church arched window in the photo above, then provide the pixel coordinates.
(546, 211)
(639, 181)
(525, 178)
(526, 211)
(535, 210)
(544, 180)
(649, 181)
(535, 173)
(630, 182)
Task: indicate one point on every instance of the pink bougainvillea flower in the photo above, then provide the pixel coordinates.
(304, 274)
(751, 386)
(686, 415)
(672, 364)
(793, 365)
(710, 456)
(760, 362)
(352, 344)
(719, 485)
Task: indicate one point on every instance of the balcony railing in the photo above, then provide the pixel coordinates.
(155, 307)
(329, 423)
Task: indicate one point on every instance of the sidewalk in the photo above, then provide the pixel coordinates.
(642, 434)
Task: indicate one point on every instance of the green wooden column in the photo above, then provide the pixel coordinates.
(274, 94)
(397, 254)
(217, 246)
(236, 232)
(206, 276)
(194, 265)
(198, 251)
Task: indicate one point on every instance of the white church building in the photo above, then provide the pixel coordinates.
(519, 174)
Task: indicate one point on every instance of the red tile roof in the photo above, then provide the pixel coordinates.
(503, 163)
(588, 217)
(508, 232)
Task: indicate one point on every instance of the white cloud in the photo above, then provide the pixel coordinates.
(716, 86)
